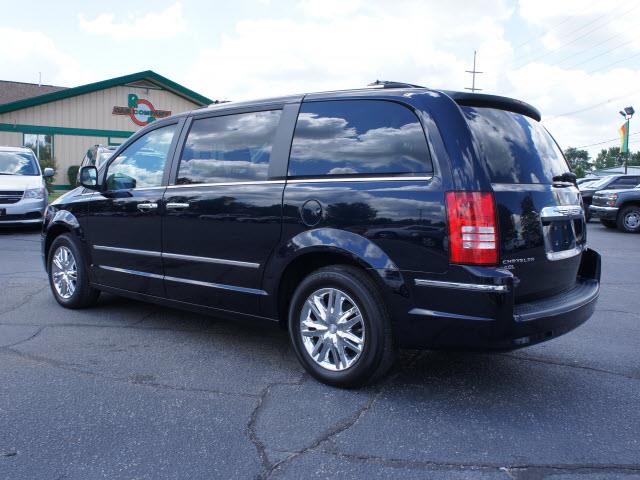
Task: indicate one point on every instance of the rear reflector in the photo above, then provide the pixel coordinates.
(473, 232)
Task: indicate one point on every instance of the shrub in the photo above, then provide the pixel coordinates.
(72, 173)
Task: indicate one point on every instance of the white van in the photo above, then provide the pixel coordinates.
(23, 192)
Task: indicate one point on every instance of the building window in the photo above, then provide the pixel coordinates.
(42, 146)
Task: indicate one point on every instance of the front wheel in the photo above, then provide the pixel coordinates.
(629, 219)
(68, 275)
(339, 327)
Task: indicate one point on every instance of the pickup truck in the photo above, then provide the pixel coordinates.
(618, 208)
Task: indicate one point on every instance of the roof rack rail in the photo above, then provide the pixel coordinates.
(392, 84)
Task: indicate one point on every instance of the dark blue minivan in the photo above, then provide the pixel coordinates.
(361, 221)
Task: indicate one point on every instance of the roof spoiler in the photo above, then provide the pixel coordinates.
(494, 101)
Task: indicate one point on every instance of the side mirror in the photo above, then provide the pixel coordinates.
(48, 172)
(89, 177)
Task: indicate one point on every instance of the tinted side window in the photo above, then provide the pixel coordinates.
(623, 182)
(229, 148)
(142, 163)
(355, 137)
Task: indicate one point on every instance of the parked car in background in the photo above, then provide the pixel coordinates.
(609, 182)
(97, 155)
(618, 208)
(359, 220)
(23, 191)
(584, 180)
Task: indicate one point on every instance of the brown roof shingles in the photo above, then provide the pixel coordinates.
(14, 91)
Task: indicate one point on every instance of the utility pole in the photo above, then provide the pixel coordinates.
(473, 72)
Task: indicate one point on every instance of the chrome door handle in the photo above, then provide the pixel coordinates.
(175, 205)
(147, 206)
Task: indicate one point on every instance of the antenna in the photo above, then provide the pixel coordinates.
(473, 72)
(39, 79)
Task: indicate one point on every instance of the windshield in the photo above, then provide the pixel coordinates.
(596, 184)
(516, 148)
(18, 163)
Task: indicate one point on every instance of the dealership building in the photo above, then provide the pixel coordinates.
(64, 122)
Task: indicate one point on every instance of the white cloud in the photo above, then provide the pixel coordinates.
(169, 22)
(329, 8)
(23, 54)
(414, 42)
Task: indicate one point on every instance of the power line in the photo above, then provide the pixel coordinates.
(591, 107)
(601, 54)
(605, 141)
(635, 55)
(571, 42)
(589, 49)
(556, 26)
(614, 63)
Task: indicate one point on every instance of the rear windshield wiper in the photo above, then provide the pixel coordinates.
(568, 177)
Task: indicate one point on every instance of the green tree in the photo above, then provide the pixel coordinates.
(579, 161)
(609, 157)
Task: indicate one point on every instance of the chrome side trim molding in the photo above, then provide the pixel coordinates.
(435, 313)
(253, 291)
(476, 287)
(146, 253)
(177, 256)
(222, 286)
(224, 184)
(132, 272)
(357, 179)
(222, 261)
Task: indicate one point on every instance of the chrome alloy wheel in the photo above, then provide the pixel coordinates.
(632, 220)
(332, 329)
(64, 272)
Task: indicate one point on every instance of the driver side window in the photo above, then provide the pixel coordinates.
(142, 163)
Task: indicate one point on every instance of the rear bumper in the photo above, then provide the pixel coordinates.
(605, 213)
(489, 319)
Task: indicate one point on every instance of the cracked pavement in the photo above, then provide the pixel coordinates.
(136, 391)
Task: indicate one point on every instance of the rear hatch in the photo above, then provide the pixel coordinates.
(541, 222)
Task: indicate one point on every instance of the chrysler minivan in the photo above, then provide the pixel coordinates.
(361, 221)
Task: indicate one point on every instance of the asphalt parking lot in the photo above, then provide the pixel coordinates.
(135, 391)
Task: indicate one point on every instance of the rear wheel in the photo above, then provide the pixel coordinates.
(608, 223)
(339, 327)
(68, 276)
(629, 219)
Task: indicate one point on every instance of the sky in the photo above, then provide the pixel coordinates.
(578, 61)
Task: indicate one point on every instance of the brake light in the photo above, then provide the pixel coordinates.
(473, 232)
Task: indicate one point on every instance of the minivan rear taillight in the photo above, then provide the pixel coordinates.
(473, 230)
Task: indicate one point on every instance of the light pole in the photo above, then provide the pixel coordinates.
(627, 113)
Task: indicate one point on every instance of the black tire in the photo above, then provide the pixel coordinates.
(378, 349)
(624, 222)
(84, 295)
(608, 223)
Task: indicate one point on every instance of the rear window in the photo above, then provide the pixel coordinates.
(516, 148)
(358, 137)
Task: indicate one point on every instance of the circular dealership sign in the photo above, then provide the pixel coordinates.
(141, 111)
